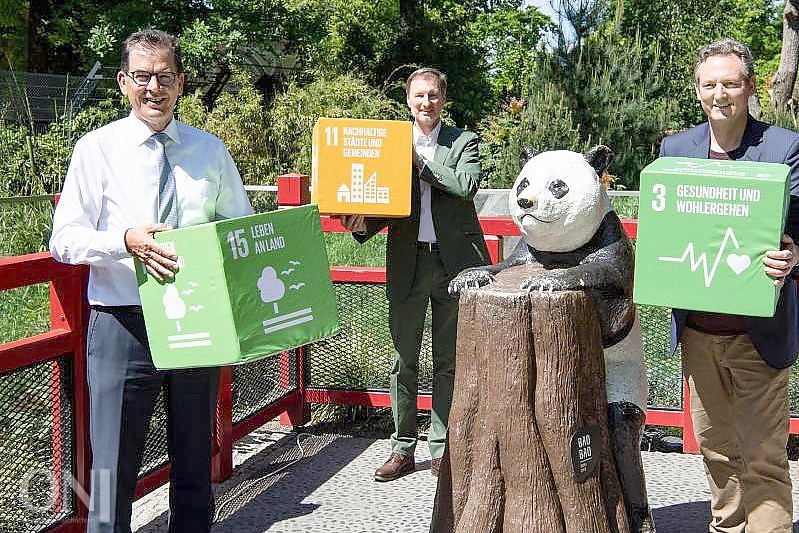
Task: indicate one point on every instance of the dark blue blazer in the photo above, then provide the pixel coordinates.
(776, 338)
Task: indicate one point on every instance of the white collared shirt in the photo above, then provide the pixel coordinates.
(426, 147)
(112, 185)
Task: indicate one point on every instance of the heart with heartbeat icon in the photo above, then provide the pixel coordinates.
(738, 263)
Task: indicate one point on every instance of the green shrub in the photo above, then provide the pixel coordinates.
(544, 122)
(240, 121)
(295, 111)
(32, 164)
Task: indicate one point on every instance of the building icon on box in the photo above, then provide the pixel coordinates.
(360, 192)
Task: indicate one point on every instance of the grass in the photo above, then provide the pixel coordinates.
(625, 206)
(25, 225)
(343, 250)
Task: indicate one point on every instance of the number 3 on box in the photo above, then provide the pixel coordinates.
(659, 203)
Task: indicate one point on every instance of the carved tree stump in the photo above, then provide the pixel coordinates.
(529, 376)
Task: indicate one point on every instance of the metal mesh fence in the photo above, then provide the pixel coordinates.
(257, 384)
(36, 446)
(360, 356)
(156, 448)
(40, 97)
(663, 370)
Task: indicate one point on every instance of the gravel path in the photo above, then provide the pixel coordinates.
(331, 489)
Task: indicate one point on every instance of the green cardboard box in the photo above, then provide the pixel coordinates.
(704, 227)
(247, 287)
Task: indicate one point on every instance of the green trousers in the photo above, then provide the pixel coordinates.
(406, 321)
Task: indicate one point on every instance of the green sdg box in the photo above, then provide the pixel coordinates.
(704, 227)
(247, 287)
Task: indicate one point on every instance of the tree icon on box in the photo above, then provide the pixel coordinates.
(272, 289)
(174, 306)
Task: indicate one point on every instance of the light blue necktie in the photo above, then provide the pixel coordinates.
(167, 197)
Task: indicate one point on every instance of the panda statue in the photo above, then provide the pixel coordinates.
(569, 227)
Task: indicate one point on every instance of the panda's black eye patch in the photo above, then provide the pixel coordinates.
(522, 186)
(558, 188)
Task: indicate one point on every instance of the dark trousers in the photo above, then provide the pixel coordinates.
(123, 388)
(406, 321)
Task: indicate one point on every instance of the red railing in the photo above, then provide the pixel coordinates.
(68, 313)
(66, 338)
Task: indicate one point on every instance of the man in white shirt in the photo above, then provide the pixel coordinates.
(441, 237)
(126, 181)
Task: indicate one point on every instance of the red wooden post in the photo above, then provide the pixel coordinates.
(222, 461)
(689, 444)
(293, 189)
(69, 311)
(299, 413)
(58, 320)
(494, 245)
(284, 381)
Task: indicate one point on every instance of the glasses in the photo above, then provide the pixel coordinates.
(143, 77)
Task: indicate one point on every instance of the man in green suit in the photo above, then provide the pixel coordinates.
(441, 237)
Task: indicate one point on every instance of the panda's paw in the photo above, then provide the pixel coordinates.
(542, 284)
(469, 279)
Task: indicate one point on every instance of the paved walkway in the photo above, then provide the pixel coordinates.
(331, 489)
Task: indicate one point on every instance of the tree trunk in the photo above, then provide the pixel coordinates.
(39, 14)
(413, 48)
(783, 86)
(529, 385)
(755, 109)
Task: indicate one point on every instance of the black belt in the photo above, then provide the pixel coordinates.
(427, 246)
(134, 309)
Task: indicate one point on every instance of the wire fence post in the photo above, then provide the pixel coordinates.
(222, 460)
(293, 189)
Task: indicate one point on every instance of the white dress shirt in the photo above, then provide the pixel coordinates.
(426, 147)
(112, 185)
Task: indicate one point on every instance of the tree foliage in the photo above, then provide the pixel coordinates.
(678, 28)
(509, 35)
(594, 87)
(295, 111)
(240, 121)
(621, 75)
(483, 44)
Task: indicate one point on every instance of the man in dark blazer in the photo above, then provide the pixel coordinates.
(736, 366)
(441, 237)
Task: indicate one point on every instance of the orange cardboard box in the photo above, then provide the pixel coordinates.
(362, 167)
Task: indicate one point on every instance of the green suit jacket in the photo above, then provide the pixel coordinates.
(454, 174)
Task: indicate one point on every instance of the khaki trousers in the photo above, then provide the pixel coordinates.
(739, 408)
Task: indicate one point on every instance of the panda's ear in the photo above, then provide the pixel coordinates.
(526, 154)
(599, 157)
